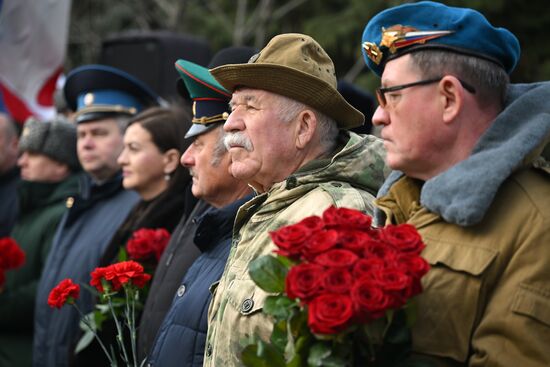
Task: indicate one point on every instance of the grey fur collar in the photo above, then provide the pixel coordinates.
(463, 193)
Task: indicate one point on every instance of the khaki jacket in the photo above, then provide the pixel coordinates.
(349, 179)
(486, 225)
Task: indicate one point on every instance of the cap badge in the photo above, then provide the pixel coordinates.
(89, 99)
(399, 36)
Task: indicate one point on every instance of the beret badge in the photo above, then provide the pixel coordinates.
(396, 37)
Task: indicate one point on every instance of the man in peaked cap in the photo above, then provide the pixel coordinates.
(103, 99)
(49, 175)
(180, 287)
(287, 139)
(465, 146)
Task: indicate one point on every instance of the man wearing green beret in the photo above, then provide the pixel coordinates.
(465, 146)
(287, 137)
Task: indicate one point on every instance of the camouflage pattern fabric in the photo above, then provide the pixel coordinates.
(350, 178)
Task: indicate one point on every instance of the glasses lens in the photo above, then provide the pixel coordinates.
(381, 98)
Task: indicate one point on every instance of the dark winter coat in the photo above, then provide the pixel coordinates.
(81, 238)
(164, 211)
(176, 259)
(8, 201)
(41, 208)
(182, 337)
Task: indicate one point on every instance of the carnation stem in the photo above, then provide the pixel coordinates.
(119, 338)
(131, 317)
(112, 361)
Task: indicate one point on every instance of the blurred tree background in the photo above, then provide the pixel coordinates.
(336, 24)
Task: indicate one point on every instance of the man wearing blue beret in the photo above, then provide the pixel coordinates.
(104, 98)
(466, 149)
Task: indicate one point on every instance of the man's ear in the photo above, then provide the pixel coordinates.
(452, 98)
(305, 128)
(171, 160)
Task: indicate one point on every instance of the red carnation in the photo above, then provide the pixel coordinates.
(338, 258)
(403, 237)
(146, 243)
(304, 281)
(11, 255)
(97, 276)
(330, 313)
(65, 292)
(120, 274)
(346, 218)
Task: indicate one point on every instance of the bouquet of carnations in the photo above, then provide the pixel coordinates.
(122, 290)
(344, 292)
(11, 257)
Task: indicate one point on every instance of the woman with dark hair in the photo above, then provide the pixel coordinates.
(153, 143)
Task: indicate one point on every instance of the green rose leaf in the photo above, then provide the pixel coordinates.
(84, 341)
(279, 306)
(318, 353)
(268, 273)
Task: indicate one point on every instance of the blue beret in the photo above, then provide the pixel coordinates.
(97, 91)
(410, 27)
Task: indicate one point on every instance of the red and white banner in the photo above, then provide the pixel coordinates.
(33, 42)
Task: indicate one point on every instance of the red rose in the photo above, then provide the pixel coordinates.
(304, 281)
(146, 243)
(319, 242)
(369, 300)
(403, 237)
(396, 284)
(337, 280)
(314, 223)
(367, 267)
(290, 239)
(330, 313)
(378, 249)
(346, 218)
(416, 267)
(353, 240)
(337, 258)
(65, 291)
(11, 255)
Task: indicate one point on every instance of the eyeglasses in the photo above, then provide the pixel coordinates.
(381, 92)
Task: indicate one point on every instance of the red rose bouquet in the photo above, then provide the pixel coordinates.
(126, 276)
(11, 257)
(345, 292)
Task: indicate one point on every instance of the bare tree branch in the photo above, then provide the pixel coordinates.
(220, 14)
(240, 23)
(286, 8)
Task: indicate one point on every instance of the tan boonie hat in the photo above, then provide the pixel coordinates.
(295, 66)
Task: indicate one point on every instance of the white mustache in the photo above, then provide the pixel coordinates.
(237, 139)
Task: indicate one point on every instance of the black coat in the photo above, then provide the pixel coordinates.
(164, 211)
(81, 237)
(176, 259)
(182, 336)
(8, 201)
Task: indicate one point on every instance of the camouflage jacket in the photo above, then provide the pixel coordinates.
(348, 179)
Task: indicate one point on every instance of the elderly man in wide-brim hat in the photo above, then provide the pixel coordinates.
(287, 139)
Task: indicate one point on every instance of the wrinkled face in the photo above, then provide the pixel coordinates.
(143, 164)
(208, 169)
(409, 120)
(259, 142)
(39, 167)
(99, 144)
